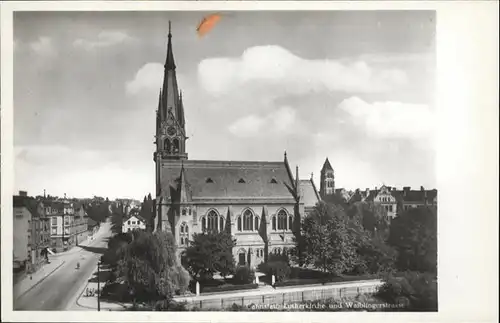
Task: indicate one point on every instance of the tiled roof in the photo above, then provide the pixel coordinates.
(309, 194)
(26, 201)
(229, 179)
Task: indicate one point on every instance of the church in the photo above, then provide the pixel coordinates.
(261, 203)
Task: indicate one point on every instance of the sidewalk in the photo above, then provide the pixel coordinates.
(89, 303)
(37, 277)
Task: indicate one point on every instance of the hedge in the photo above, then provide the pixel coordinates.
(226, 288)
(313, 281)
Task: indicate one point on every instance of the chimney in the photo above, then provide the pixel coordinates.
(23, 193)
(422, 188)
(375, 188)
(64, 195)
(44, 196)
(405, 190)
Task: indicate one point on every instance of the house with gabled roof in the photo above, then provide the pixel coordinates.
(134, 222)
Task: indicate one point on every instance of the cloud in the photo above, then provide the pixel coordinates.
(43, 47)
(282, 121)
(275, 67)
(104, 39)
(390, 119)
(148, 78)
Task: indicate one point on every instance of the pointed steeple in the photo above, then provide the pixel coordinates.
(183, 186)
(172, 131)
(297, 189)
(327, 165)
(158, 115)
(228, 224)
(180, 112)
(169, 62)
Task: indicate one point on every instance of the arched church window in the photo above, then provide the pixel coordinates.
(256, 223)
(167, 146)
(274, 223)
(282, 219)
(239, 223)
(290, 222)
(212, 221)
(176, 145)
(248, 221)
(184, 234)
(203, 224)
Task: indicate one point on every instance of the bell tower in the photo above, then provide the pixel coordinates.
(327, 186)
(170, 124)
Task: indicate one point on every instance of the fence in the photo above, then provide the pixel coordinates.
(283, 298)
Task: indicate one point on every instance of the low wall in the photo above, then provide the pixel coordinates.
(288, 297)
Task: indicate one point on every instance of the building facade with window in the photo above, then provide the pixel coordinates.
(31, 232)
(134, 222)
(259, 203)
(62, 224)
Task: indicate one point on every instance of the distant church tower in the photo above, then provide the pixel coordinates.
(327, 186)
(170, 124)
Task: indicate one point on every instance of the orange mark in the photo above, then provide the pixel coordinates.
(207, 24)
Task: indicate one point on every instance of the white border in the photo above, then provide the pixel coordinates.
(467, 165)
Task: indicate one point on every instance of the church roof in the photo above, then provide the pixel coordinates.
(221, 180)
(309, 194)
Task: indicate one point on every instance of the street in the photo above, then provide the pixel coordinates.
(58, 290)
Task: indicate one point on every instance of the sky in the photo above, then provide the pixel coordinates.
(354, 86)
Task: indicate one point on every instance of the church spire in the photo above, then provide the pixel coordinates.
(169, 63)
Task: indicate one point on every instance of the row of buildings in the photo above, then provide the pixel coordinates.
(260, 202)
(393, 200)
(45, 225)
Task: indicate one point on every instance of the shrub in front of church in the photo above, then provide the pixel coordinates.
(279, 268)
(243, 275)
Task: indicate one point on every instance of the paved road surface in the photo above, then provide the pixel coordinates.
(60, 288)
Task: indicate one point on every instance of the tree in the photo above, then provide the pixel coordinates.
(414, 235)
(147, 212)
(326, 241)
(209, 253)
(117, 218)
(98, 211)
(117, 246)
(417, 291)
(373, 217)
(150, 269)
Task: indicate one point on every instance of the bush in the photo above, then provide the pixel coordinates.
(225, 288)
(243, 275)
(416, 291)
(281, 257)
(280, 269)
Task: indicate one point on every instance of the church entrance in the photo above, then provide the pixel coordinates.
(241, 258)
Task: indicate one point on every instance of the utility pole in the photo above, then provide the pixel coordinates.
(98, 287)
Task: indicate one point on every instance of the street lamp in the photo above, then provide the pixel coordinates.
(98, 287)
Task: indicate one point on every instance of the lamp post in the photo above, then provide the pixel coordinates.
(98, 287)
